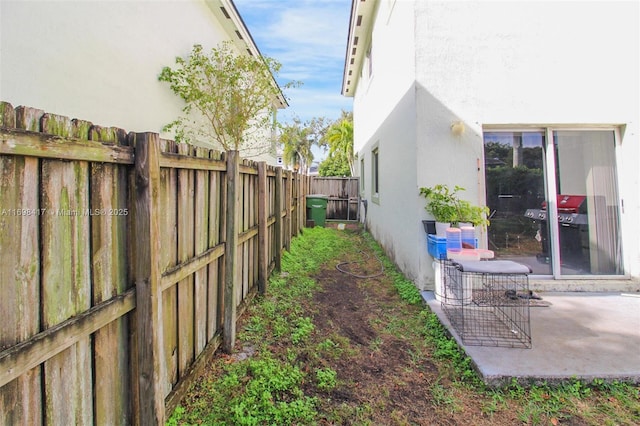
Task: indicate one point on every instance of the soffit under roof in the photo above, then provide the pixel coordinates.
(360, 27)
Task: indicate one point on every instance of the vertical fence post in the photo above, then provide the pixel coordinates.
(231, 251)
(263, 217)
(296, 204)
(278, 224)
(301, 202)
(147, 279)
(287, 202)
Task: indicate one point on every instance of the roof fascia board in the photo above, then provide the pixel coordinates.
(360, 27)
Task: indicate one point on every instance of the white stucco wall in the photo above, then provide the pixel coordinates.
(534, 63)
(100, 61)
(392, 51)
(384, 118)
(554, 64)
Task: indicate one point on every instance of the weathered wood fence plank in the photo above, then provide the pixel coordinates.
(263, 215)
(109, 200)
(7, 115)
(343, 193)
(243, 250)
(112, 302)
(224, 216)
(168, 220)
(173, 161)
(183, 270)
(288, 197)
(214, 293)
(66, 278)
(278, 191)
(23, 357)
(147, 279)
(28, 118)
(201, 237)
(231, 252)
(17, 142)
(20, 400)
(185, 252)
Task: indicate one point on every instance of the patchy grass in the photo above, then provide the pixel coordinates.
(331, 348)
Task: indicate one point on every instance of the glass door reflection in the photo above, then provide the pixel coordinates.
(588, 214)
(515, 189)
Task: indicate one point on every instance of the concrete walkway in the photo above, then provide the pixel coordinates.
(581, 335)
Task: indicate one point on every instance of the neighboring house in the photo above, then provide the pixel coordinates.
(313, 169)
(518, 102)
(100, 61)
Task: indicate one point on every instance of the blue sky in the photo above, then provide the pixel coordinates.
(308, 37)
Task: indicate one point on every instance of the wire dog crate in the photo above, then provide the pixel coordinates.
(487, 302)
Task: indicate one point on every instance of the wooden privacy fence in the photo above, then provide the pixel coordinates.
(125, 261)
(343, 193)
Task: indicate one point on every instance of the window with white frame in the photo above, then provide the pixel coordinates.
(369, 63)
(375, 171)
(362, 175)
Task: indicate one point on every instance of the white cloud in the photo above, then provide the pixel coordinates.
(308, 37)
(311, 28)
(311, 102)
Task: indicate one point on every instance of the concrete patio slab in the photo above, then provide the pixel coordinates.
(580, 335)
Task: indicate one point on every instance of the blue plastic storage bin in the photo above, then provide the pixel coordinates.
(437, 246)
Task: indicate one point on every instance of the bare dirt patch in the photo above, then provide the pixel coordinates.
(383, 366)
(389, 370)
(325, 347)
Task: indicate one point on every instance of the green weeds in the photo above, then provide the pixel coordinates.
(445, 398)
(296, 384)
(326, 379)
(253, 392)
(302, 330)
(446, 349)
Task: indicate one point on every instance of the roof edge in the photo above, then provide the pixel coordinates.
(360, 27)
(240, 35)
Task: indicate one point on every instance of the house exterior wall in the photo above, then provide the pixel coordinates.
(527, 63)
(100, 61)
(490, 64)
(384, 119)
(393, 68)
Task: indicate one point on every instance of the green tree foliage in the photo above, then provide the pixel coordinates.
(297, 139)
(335, 165)
(229, 99)
(339, 138)
(499, 154)
(523, 183)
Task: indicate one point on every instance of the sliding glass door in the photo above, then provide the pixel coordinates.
(554, 201)
(589, 244)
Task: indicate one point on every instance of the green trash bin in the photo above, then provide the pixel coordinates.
(317, 208)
